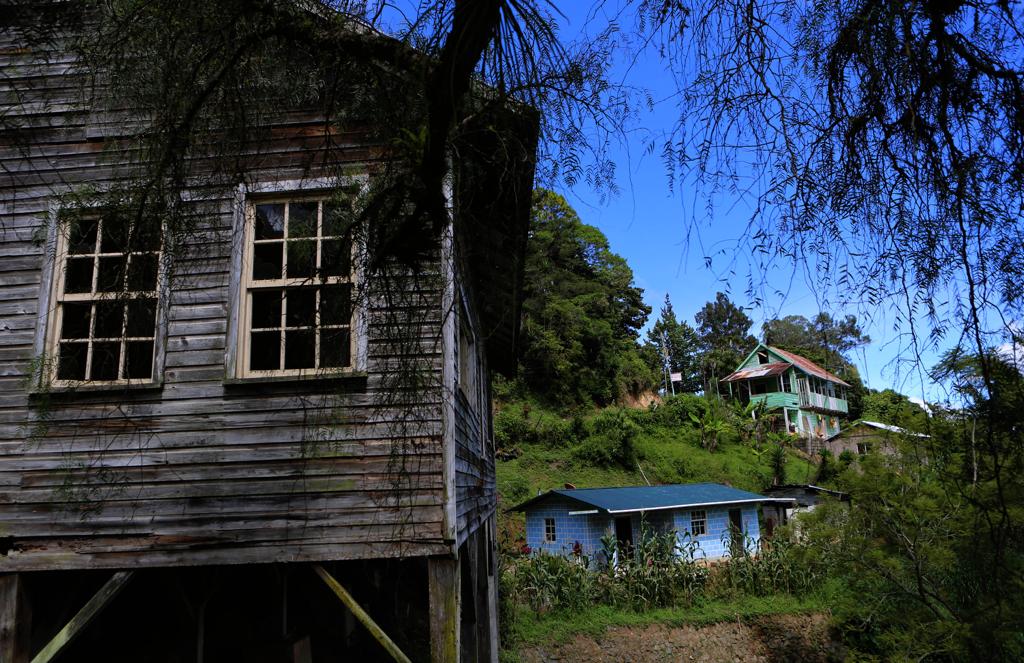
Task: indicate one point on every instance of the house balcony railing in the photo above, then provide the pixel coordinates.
(822, 403)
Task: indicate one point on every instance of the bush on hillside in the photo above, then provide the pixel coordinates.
(515, 490)
(514, 426)
(675, 411)
(612, 441)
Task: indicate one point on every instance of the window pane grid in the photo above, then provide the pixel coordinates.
(125, 306)
(290, 249)
(698, 523)
(290, 258)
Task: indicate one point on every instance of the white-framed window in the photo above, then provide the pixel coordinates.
(698, 523)
(296, 313)
(549, 530)
(468, 362)
(471, 377)
(104, 302)
(784, 381)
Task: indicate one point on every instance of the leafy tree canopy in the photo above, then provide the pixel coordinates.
(824, 340)
(928, 539)
(582, 312)
(890, 407)
(723, 331)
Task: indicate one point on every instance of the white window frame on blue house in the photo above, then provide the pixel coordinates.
(550, 535)
(700, 523)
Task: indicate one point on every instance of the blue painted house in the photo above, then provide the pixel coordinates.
(559, 519)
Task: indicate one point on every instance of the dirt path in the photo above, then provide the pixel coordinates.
(765, 640)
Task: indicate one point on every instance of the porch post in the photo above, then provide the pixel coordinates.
(444, 577)
(15, 619)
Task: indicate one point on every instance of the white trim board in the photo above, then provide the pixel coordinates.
(695, 505)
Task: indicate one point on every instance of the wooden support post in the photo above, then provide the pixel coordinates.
(490, 568)
(15, 619)
(376, 631)
(302, 651)
(88, 612)
(445, 598)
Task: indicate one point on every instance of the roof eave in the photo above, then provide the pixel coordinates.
(549, 494)
(698, 505)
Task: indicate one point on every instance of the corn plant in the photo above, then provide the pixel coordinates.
(552, 583)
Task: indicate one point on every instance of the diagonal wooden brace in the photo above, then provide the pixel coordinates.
(89, 611)
(376, 631)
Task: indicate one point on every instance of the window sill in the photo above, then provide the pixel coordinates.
(349, 380)
(87, 389)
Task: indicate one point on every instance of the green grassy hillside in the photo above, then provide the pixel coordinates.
(620, 446)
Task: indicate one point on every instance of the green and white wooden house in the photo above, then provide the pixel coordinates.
(806, 399)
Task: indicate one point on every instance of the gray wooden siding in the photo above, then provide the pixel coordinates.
(475, 483)
(476, 494)
(200, 471)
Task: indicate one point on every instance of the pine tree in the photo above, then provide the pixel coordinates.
(673, 345)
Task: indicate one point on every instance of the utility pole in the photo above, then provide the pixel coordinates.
(666, 364)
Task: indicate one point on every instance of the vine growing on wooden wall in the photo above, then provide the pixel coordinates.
(203, 121)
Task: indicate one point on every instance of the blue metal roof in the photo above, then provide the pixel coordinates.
(647, 498)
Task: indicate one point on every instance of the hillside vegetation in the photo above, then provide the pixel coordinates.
(621, 446)
(924, 562)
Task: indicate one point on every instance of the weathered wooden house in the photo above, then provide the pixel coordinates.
(201, 445)
(711, 516)
(803, 398)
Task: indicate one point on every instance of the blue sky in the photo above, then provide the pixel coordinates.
(653, 228)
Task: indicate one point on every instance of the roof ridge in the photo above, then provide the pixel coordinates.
(801, 358)
(658, 485)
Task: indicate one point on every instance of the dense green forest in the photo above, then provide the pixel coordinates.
(921, 564)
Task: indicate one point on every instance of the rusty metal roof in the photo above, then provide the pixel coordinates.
(808, 366)
(761, 371)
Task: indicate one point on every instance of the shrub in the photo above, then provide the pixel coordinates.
(515, 490)
(676, 410)
(612, 442)
(514, 426)
(777, 462)
(555, 432)
(510, 428)
(827, 469)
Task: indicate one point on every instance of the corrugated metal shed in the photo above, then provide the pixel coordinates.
(652, 498)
